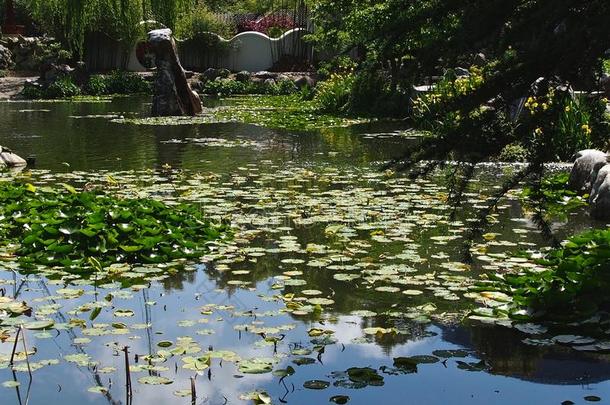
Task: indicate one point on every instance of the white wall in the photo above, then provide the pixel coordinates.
(251, 51)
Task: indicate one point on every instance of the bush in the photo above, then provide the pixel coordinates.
(229, 87)
(96, 86)
(274, 25)
(63, 87)
(333, 94)
(201, 21)
(341, 65)
(372, 94)
(117, 82)
(120, 82)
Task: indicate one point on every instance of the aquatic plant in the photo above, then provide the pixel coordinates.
(570, 283)
(65, 227)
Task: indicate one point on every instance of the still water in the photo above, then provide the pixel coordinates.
(335, 266)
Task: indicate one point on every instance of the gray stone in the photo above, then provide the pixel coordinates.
(605, 83)
(587, 164)
(269, 82)
(305, 81)
(264, 75)
(210, 74)
(479, 59)
(6, 58)
(461, 72)
(9, 159)
(600, 195)
(172, 93)
(243, 76)
(224, 73)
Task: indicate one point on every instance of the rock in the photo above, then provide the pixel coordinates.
(49, 73)
(605, 83)
(264, 75)
(243, 76)
(172, 92)
(80, 74)
(461, 72)
(269, 82)
(210, 74)
(6, 58)
(9, 159)
(479, 59)
(600, 195)
(224, 73)
(304, 81)
(587, 164)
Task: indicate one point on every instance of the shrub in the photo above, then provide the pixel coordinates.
(117, 82)
(96, 86)
(120, 82)
(201, 21)
(63, 87)
(333, 94)
(341, 64)
(274, 25)
(372, 94)
(229, 87)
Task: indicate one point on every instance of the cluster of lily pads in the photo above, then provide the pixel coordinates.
(59, 226)
(566, 284)
(310, 244)
(281, 112)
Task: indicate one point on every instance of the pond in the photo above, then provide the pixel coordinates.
(343, 283)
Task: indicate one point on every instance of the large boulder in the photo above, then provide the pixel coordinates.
(600, 195)
(9, 159)
(172, 92)
(587, 164)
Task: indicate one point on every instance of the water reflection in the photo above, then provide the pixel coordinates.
(513, 372)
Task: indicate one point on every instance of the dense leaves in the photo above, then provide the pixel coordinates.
(572, 284)
(68, 228)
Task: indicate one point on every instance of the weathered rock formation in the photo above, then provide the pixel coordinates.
(586, 165)
(172, 93)
(6, 58)
(600, 195)
(9, 159)
(591, 175)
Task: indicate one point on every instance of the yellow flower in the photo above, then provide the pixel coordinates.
(538, 131)
(586, 128)
(545, 106)
(568, 109)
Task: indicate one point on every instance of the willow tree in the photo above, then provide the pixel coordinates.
(71, 20)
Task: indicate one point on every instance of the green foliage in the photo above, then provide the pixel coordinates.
(341, 65)
(572, 284)
(117, 82)
(96, 86)
(121, 82)
(63, 87)
(553, 192)
(69, 228)
(229, 87)
(606, 64)
(513, 152)
(70, 20)
(199, 21)
(333, 94)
